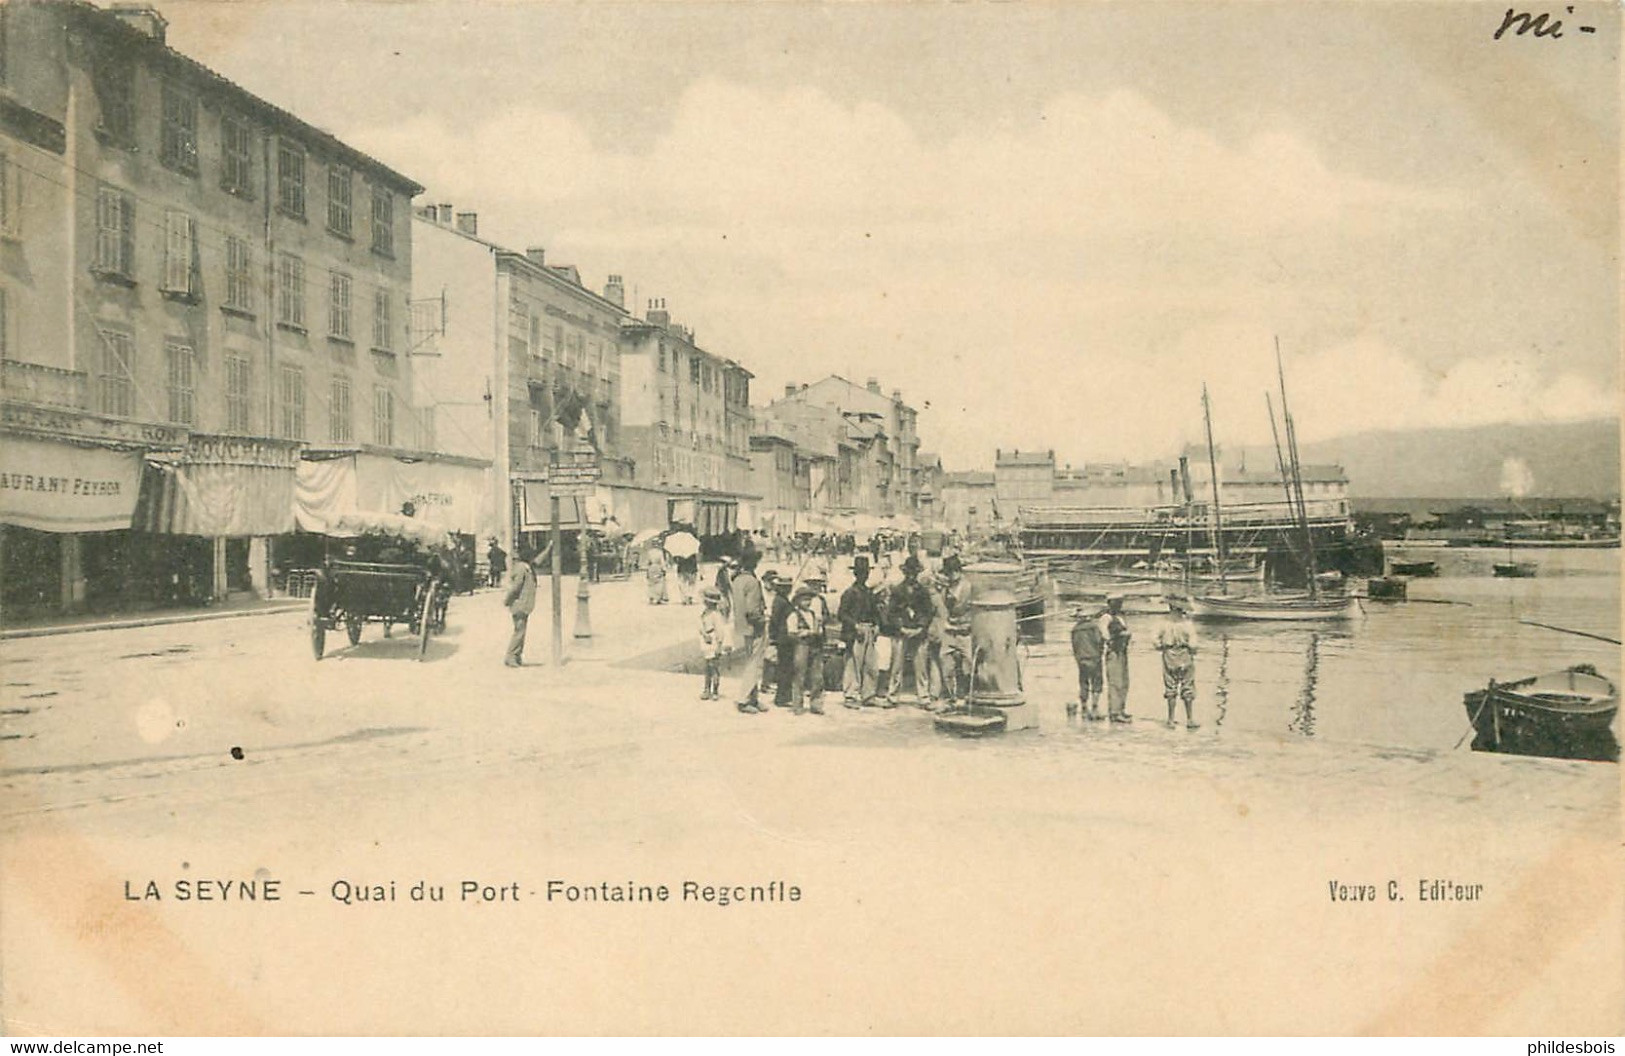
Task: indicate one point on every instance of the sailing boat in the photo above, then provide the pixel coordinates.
(1308, 605)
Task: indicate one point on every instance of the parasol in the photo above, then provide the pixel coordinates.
(682, 544)
(645, 536)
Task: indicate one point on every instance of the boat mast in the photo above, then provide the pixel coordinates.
(1297, 476)
(1213, 469)
(1280, 465)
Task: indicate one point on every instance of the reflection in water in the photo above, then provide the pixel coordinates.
(1303, 711)
(1221, 685)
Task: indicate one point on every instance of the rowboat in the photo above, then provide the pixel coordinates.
(1567, 713)
(1274, 607)
(1413, 568)
(1515, 569)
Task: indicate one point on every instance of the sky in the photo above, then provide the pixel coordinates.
(1048, 224)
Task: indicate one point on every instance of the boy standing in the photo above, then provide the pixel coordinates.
(1178, 661)
(711, 642)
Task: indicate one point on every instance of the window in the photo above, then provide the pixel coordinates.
(180, 254)
(237, 394)
(290, 180)
(11, 197)
(538, 417)
(550, 341)
(290, 291)
(662, 361)
(694, 370)
(115, 381)
(536, 335)
(338, 307)
(383, 222)
(426, 434)
(293, 403)
(239, 275)
(115, 233)
(383, 328)
(519, 327)
(178, 143)
(338, 411)
(236, 156)
(182, 362)
(114, 84)
(383, 416)
(338, 200)
(5, 325)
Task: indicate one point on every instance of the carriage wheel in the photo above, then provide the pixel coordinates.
(425, 621)
(352, 627)
(318, 629)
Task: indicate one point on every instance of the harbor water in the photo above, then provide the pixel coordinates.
(1395, 675)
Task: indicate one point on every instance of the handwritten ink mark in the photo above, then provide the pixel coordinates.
(1527, 23)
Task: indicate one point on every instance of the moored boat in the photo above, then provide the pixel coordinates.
(1413, 568)
(1568, 713)
(1274, 607)
(1515, 569)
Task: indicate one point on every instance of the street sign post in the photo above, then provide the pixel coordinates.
(572, 474)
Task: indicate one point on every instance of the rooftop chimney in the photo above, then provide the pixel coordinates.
(657, 313)
(469, 223)
(615, 291)
(897, 395)
(445, 213)
(535, 254)
(143, 18)
(874, 386)
(790, 389)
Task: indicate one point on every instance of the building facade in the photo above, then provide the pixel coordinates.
(196, 286)
(520, 361)
(686, 425)
(877, 444)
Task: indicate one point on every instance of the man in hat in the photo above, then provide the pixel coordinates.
(1117, 636)
(780, 665)
(909, 609)
(750, 623)
(859, 616)
(521, 602)
(1178, 661)
(1089, 652)
(497, 559)
(806, 630)
(955, 648)
(817, 578)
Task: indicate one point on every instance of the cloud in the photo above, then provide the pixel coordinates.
(1068, 281)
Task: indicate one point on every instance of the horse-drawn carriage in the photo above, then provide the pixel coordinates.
(382, 568)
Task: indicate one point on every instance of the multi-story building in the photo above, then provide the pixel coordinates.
(520, 361)
(968, 502)
(194, 286)
(879, 468)
(686, 421)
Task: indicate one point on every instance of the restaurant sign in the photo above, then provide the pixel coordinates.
(53, 487)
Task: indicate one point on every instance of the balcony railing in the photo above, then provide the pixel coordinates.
(52, 386)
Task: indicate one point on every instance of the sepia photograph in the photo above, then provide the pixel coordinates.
(1051, 517)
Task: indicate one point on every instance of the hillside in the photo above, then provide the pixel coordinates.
(1568, 459)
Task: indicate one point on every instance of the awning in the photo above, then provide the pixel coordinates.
(53, 487)
(220, 485)
(449, 496)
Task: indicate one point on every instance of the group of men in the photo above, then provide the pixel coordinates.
(915, 633)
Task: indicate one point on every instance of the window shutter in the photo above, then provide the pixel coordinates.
(126, 227)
